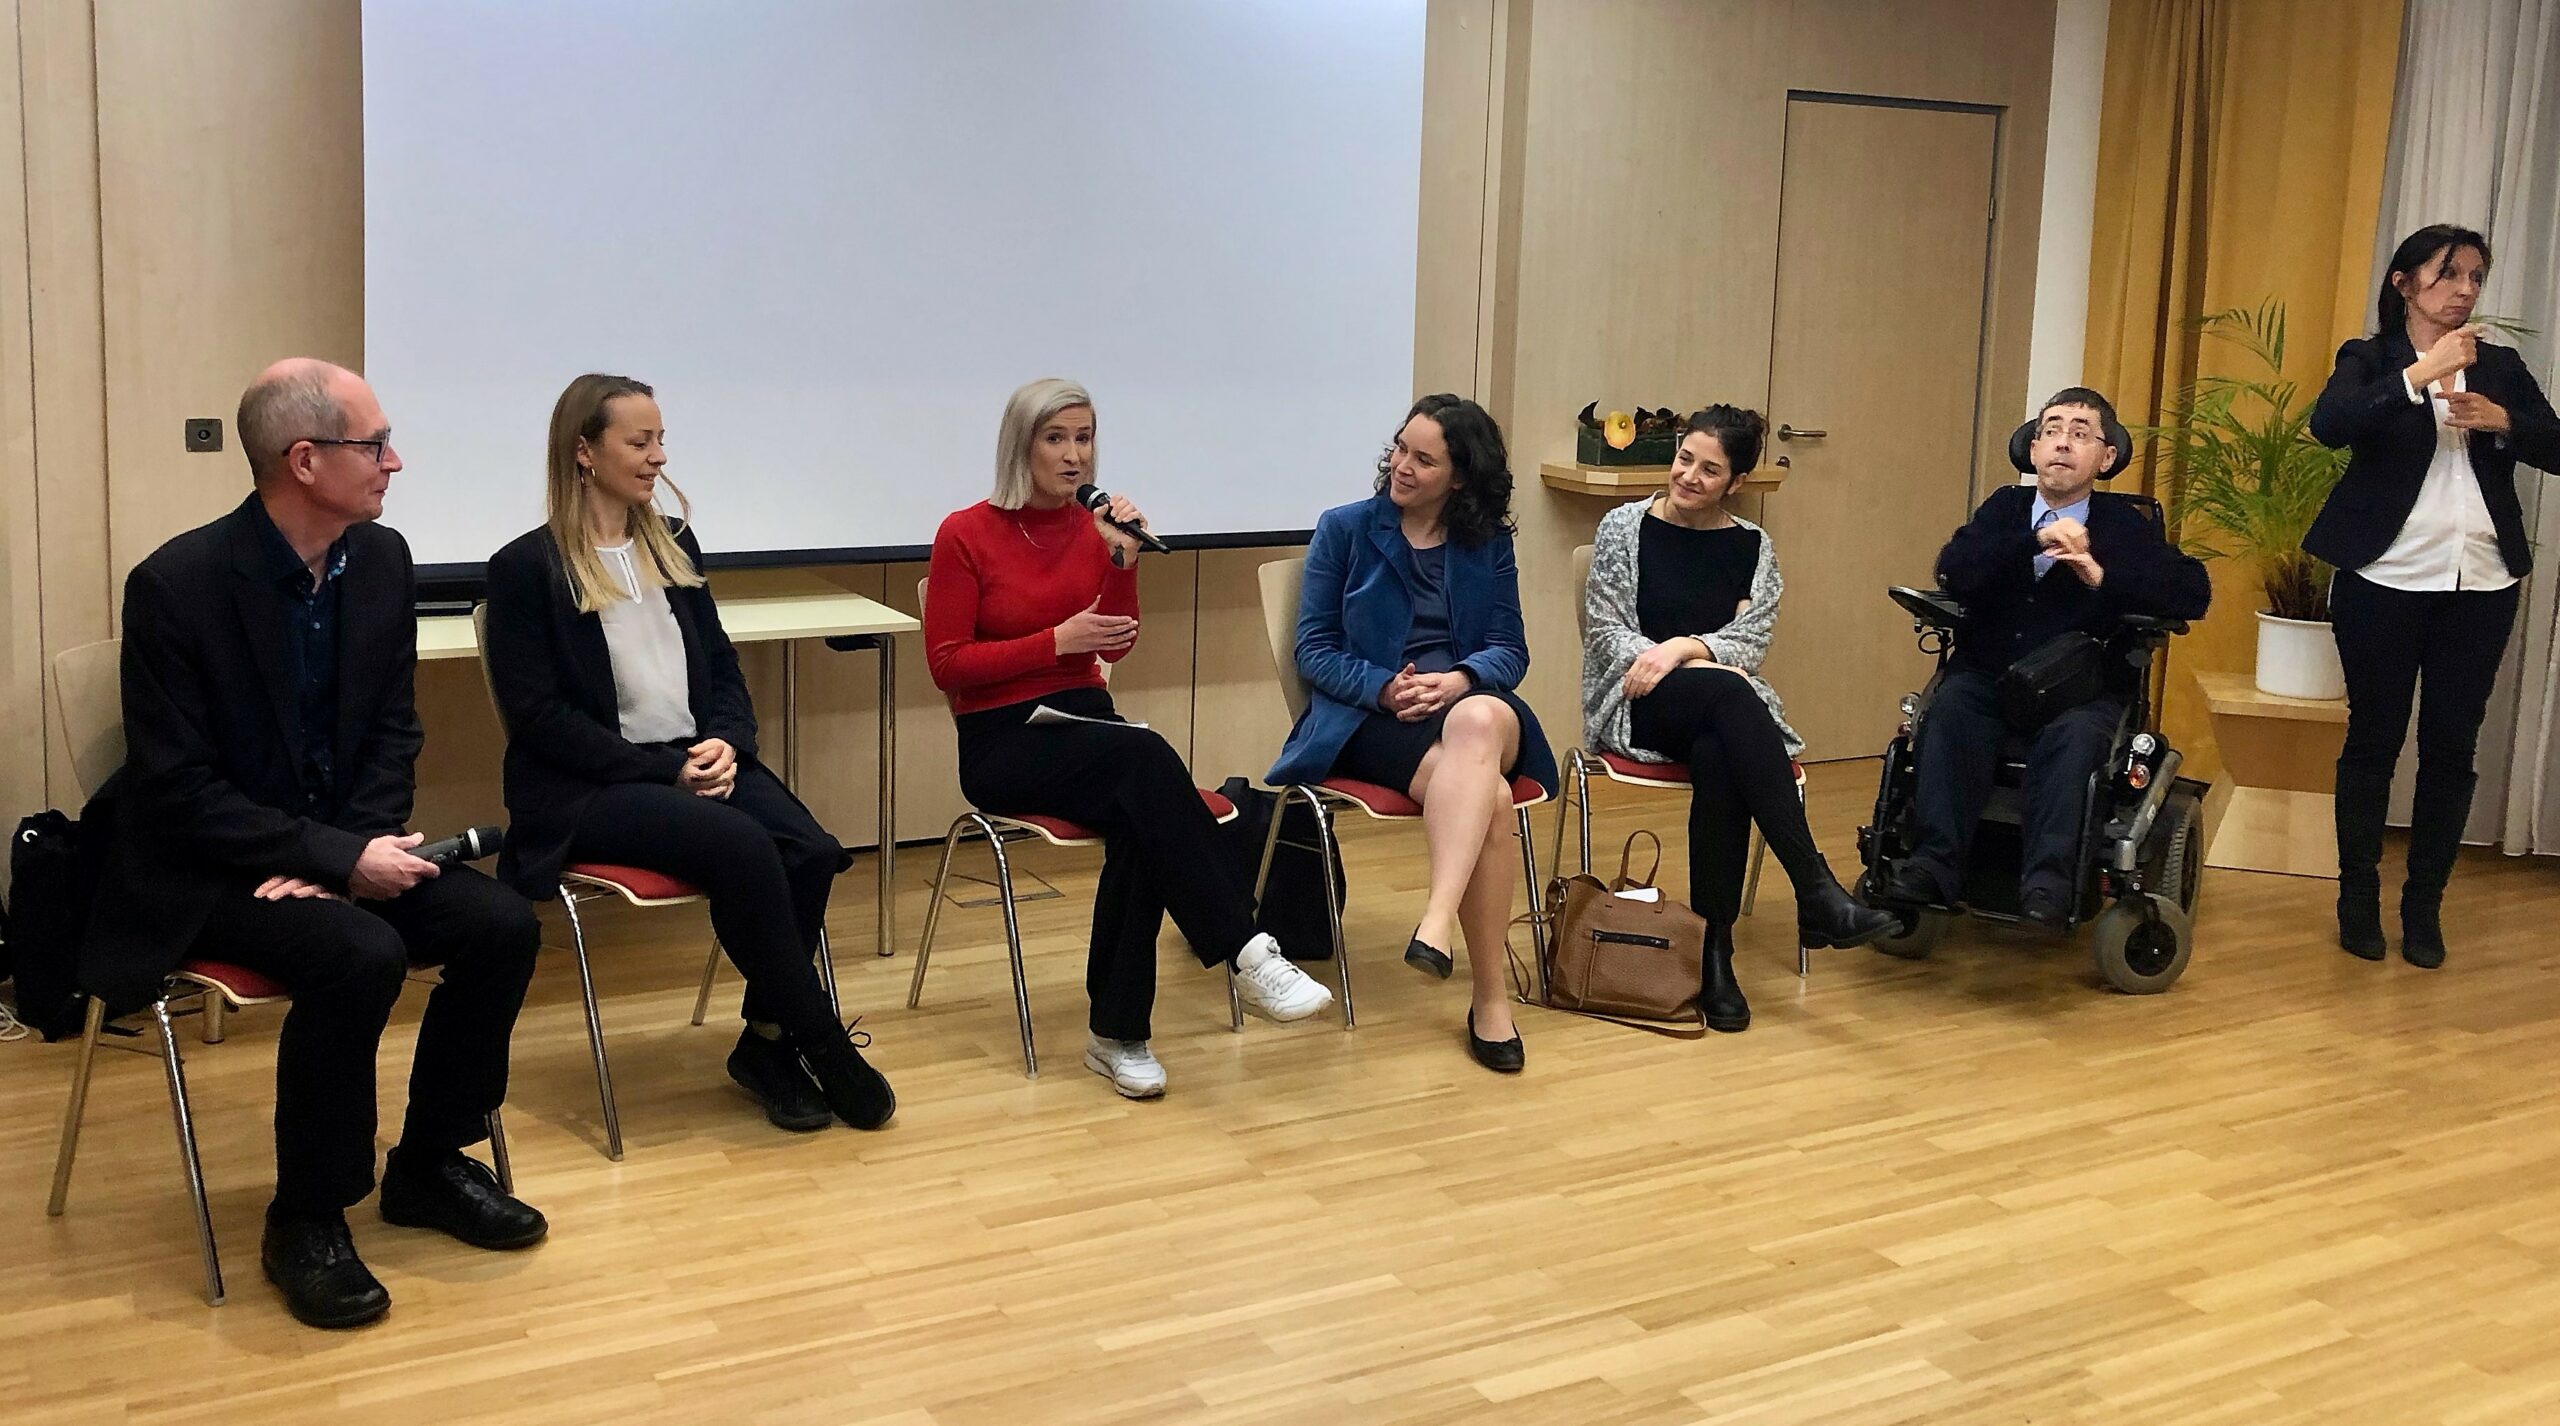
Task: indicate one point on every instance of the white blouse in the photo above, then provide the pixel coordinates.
(650, 686)
(2448, 541)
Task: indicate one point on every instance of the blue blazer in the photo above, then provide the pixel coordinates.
(1355, 612)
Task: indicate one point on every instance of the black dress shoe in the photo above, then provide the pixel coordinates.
(313, 1262)
(1501, 1057)
(2045, 908)
(456, 1195)
(1910, 884)
(773, 1077)
(1428, 959)
(2421, 931)
(1831, 917)
(859, 1094)
(1720, 995)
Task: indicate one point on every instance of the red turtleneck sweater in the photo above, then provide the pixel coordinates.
(1001, 583)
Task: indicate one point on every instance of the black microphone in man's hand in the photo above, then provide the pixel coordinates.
(1093, 498)
(470, 846)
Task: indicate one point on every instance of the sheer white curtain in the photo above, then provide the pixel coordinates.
(2475, 140)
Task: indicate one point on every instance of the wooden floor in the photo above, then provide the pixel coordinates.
(2298, 1188)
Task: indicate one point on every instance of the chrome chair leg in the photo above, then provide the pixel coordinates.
(187, 1159)
(216, 1009)
(79, 1106)
(498, 1153)
(1013, 946)
(1751, 878)
(702, 997)
(1331, 857)
(1261, 885)
(933, 911)
(826, 973)
(1537, 898)
(595, 1028)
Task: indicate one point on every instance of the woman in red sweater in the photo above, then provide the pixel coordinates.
(1027, 596)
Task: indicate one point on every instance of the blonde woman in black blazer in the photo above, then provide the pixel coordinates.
(630, 740)
(2428, 539)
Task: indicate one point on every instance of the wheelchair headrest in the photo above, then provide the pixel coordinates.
(2022, 444)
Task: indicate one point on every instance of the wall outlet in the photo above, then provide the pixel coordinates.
(204, 433)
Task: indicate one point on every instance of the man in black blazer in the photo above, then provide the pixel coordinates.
(2036, 562)
(260, 818)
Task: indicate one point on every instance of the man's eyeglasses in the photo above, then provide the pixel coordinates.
(373, 446)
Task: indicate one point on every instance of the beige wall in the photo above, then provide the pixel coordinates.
(1599, 220)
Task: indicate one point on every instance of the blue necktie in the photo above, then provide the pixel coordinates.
(2044, 561)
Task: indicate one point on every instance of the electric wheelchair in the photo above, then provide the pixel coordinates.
(2141, 840)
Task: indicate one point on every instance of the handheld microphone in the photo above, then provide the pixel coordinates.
(1093, 498)
(470, 846)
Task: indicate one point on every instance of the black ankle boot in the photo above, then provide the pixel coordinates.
(1828, 915)
(2436, 817)
(2363, 799)
(1720, 995)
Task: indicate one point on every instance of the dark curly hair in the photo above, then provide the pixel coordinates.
(1737, 429)
(1479, 465)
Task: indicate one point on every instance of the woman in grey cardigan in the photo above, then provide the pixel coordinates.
(1676, 618)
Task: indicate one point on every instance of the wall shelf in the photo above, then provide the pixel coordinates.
(1626, 482)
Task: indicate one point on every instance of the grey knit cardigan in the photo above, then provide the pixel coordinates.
(1611, 639)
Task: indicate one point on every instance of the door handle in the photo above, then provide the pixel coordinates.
(1790, 433)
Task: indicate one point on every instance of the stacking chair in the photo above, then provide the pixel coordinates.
(1580, 764)
(87, 698)
(582, 882)
(999, 828)
(1282, 582)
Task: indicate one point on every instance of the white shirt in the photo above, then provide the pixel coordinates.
(651, 690)
(2448, 541)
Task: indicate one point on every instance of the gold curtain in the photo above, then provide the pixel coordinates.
(2240, 154)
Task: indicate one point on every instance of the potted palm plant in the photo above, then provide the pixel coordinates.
(2244, 481)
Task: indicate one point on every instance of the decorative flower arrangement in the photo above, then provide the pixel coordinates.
(1638, 437)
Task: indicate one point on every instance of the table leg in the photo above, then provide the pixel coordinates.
(888, 795)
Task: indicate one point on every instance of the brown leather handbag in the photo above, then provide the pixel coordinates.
(1635, 962)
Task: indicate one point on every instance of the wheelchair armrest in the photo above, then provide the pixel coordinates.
(1935, 608)
(2147, 626)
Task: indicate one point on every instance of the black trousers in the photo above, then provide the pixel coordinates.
(763, 861)
(2389, 640)
(343, 962)
(1960, 754)
(1160, 849)
(1739, 773)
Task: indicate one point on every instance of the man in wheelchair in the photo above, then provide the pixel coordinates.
(2062, 593)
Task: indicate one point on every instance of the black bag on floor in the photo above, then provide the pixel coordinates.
(54, 868)
(1293, 908)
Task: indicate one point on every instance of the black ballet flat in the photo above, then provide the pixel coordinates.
(1503, 1057)
(1427, 959)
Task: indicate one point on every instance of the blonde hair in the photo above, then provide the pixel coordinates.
(581, 414)
(1025, 412)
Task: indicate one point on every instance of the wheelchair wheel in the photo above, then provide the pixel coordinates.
(2142, 950)
(1916, 943)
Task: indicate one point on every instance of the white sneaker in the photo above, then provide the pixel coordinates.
(1273, 988)
(1128, 1064)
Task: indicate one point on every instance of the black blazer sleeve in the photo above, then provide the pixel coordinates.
(173, 787)
(1994, 553)
(2534, 432)
(527, 598)
(385, 786)
(2152, 577)
(726, 711)
(2366, 391)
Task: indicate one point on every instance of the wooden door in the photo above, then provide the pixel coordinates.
(1874, 377)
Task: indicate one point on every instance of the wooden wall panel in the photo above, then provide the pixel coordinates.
(22, 777)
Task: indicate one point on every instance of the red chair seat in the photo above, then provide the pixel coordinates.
(1380, 801)
(1621, 765)
(238, 982)
(1059, 829)
(638, 883)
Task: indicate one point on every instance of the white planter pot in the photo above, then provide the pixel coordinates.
(2298, 658)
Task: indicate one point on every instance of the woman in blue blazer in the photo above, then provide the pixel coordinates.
(1409, 637)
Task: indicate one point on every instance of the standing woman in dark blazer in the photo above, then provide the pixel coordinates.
(630, 740)
(2429, 544)
(1410, 639)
